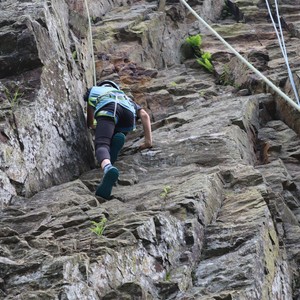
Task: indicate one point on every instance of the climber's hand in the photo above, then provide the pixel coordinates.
(145, 145)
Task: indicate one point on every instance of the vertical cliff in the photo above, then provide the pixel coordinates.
(212, 211)
(42, 122)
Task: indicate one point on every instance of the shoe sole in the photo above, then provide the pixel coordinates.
(108, 181)
(117, 142)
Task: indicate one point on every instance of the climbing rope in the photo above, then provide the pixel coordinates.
(264, 78)
(282, 46)
(91, 45)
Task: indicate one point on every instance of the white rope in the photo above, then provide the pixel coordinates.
(264, 78)
(281, 42)
(91, 45)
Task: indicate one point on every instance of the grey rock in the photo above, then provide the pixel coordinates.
(210, 212)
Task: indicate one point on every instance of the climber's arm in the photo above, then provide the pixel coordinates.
(90, 117)
(147, 129)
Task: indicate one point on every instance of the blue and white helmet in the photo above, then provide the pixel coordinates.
(108, 83)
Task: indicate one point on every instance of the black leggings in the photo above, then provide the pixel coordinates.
(106, 128)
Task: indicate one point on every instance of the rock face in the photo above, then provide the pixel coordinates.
(43, 133)
(212, 211)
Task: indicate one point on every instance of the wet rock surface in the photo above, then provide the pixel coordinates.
(210, 212)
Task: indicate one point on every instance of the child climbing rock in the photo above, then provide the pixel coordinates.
(116, 115)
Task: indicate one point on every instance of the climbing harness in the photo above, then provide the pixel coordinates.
(100, 96)
(264, 78)
(282, 45)
(91, 45)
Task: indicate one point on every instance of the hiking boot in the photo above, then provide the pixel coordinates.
(109, 179)
(117, 142)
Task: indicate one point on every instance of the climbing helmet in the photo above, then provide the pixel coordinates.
(108, 83)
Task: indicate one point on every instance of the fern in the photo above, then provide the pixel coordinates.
(205, 61)
(99, 226)
(166, 191)
(194, 40)
(13, 97)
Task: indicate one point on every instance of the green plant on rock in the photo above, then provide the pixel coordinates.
(203, 58)
(165, 193)
(168, 276)
(74, 55)
(226, 77)
(195, 42)
(13, 97)
(202, 93)
(93, 20)
(98, 227)
(205, 61)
